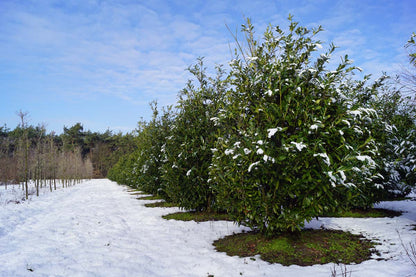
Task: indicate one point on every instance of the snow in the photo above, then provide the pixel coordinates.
(314, 127)
(299, 145)
(97, 228)
(247, 151)
(359, 111)
(215, 120)
(251, 166)
(366, 158)
(344, 178)
(229, 151)
(332, 178)
(272, 131)
(346, 122)
(324, 157)
(236, 156)
(252, 59)
(324, 56)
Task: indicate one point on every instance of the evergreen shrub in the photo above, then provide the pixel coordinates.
(293, 144)
(188, 147)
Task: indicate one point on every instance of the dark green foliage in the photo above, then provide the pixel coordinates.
(394, 132)
(188, 147)
(73, 136)
(278, 141)
(150, 159)
(412, 44)
(293, 145)
(142, 168)
(122, 171)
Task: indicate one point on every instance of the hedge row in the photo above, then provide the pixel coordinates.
(279, 139)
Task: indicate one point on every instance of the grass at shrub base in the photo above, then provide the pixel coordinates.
(150, 198)
(304, 248)
(197, 216)
(160, 204)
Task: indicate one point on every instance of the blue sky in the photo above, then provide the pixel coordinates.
(100, 62)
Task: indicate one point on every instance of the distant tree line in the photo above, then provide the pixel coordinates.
(30, 153)
(281, 138)
(103, 149)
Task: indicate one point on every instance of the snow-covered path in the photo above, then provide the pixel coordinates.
(98, 229)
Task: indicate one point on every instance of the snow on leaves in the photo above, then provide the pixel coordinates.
(252, 165)
(324, 157)
(299, 145)
(271, 132)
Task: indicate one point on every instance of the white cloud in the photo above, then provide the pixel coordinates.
(140, 51)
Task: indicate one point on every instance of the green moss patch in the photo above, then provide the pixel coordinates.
(357, 213)
(151, 197)
(160, 204)
(304, 248)
(197, 216)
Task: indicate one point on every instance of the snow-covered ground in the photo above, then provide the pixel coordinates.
(97, 228)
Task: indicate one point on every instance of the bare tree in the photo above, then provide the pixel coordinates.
(25, 148)
(5, 162)
(39, 159)
(52, 161)
(32, 155)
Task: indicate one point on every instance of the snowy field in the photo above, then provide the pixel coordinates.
(97, 228)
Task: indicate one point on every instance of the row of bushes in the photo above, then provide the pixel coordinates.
(277, 139)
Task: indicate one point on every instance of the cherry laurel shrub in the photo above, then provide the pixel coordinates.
(292, 144)
(286, 136)
(397, 142)
(122, 171)
(150, 159)
(394, 133)
(142, 168)
(187, 150)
